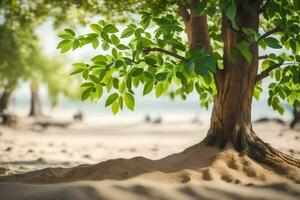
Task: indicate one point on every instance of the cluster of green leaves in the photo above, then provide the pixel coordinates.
(285, 16)
(286, 85)
(131, 61)
(127, 62)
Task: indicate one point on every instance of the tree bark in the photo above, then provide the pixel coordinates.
(4, 100)
(35, 103)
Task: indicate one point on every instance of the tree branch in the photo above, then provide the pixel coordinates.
(183, 12)
(263, 8)
(267, 71)
(148, 50)
(263, 57)
(266, 34)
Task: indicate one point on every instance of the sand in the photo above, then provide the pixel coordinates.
(199, 172)
(141, 189)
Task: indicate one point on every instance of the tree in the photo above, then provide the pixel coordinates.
(19, 45)
(48, 72)
(12, 57)
(220, 60)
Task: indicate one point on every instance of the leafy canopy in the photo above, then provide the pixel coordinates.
(155, 54)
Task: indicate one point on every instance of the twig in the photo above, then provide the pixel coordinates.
(263, 57)
(146, 51)
(267, 71)
(266, 34)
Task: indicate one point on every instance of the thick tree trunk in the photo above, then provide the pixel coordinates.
(35, 103)
(231, 116)
(4, 99)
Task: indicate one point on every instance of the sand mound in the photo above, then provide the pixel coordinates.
(141, 189)
(196, 164)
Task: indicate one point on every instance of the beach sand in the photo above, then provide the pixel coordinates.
(73, 158)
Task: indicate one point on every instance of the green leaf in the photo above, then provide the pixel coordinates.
(150, 60)
(128, 82)
(146, 18)
(85, 74)
(159, 90)
(115, 40)
(148, 88)
(84, 41)
(127, 32)
(81, 65)
(66, 47)
(244, 49)
(94, 78)
(114, 53)
(121, 102)
(63, 43)
(66, 36)
(110, 28)
(148, 35)
(272, 42)
(231, 13)
(119, 63)
(138, 32)
(122, 87)
(75, 44)
(69, 31)
(105, 37)
(87, 84)
(161, 76)
(277, 75)
(95, 43)
(115, 83)
(129, 101)
(105, 46)
(189, 66)
(122, 47)
(96, 28)
(251, 34)
(86, 93)
(77, 71)
(111, 99)
(99, 91)
(148, 75)
(115, 108)
(99, 58)
(257, 92)
(136, 71)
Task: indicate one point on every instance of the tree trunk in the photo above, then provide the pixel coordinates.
(296, 113)
(35, 103)
(231, 116)
(4, 99)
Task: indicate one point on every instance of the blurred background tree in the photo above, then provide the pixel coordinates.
(20, 52)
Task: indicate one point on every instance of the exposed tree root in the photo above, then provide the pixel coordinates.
(245, 141)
